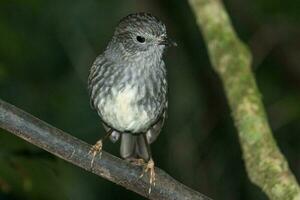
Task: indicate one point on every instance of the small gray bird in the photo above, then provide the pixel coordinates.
(128, 87)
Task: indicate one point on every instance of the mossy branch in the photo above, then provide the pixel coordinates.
(231, 59)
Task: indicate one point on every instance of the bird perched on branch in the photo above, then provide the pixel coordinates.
(128, 87)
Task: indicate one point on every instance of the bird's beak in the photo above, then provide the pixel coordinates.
(167, 42)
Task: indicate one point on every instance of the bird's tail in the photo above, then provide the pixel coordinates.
(133, 146)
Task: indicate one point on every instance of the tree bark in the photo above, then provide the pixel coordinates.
(76, 151)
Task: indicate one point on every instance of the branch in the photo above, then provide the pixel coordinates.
(231, 59)
(76, 151)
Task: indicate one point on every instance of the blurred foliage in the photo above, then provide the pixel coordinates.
(47, 47)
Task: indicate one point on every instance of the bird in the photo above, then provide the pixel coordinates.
(128, 88)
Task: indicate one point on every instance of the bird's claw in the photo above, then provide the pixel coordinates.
(138, 162)
(95, 149)
(149, 167)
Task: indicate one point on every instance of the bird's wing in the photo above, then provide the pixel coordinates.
(95, 76)
(99, 72)
(155, 129)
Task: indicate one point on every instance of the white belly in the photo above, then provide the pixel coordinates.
(122, 111)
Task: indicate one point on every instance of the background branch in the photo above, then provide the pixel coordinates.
(75, 151)
(266, 166)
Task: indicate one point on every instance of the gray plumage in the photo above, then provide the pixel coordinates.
(128, 86)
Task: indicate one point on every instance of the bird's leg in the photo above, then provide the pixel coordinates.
(149, 166)
(97, 148)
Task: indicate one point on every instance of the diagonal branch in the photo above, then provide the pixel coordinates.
(266, 165)
(76, 151)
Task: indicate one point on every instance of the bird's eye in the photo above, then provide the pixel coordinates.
(140, 39)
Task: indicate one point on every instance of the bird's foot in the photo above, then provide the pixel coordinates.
(96, 149)
(149, 167)
(138, 162)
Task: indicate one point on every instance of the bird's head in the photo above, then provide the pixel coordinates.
(142, 34)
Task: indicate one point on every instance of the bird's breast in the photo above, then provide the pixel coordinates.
(122, 109)
(130, 98)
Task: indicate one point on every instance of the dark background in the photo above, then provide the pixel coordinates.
(47, 47)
